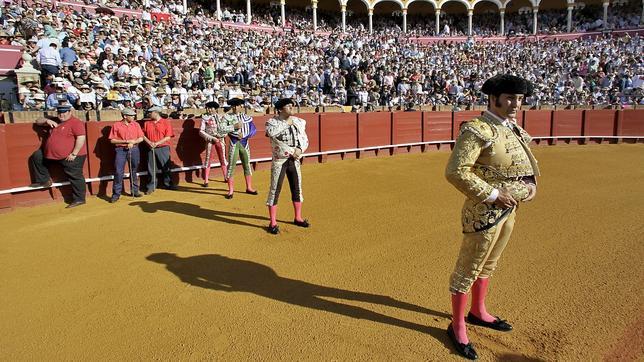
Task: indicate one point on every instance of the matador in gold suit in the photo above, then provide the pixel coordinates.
(493, 166)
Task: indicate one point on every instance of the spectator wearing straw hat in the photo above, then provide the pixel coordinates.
(5, 38)
(158, 98)
(35, 101)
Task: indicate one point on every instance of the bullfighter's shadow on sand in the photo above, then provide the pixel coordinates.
(221, 273)
(185, 208)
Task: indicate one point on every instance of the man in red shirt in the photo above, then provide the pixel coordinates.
(157, 133)
(126, 136)
(65, 146)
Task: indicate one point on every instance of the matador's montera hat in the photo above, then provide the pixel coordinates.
(507, 83)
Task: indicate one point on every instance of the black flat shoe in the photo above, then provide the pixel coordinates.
(229, 196)
(74, 204)
(205, 184)
(465, 350)
(254, 192)
(499, 324)
(274, 229)
(303, 223)
(45, 184)
(138, 194)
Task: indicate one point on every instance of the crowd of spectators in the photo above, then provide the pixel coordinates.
(98, 61)
(622, 14)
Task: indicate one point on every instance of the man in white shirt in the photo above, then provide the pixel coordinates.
(49, 60)
(236, 92)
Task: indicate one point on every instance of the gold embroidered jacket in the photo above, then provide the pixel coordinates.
(489, 155)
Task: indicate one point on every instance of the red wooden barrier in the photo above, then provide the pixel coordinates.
(521, 118)
(374, 129)
(21, 141)
(6, 201)
(338, 131)
(312, 130)
(538, 123)
(567, 123)
(460, 118)
(631, 122)
(327, 132)
(260, 145)
(101, 154)
(601, 122)
(437, 126)
(408, 128)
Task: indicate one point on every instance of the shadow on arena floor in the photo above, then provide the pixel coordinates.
(197, 211)
(221, 273)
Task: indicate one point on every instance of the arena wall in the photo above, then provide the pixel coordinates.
(331, 136)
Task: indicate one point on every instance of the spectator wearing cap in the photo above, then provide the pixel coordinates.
(157, 134)
(210, 131)
(240, 128)
(60, 96)
(65, 146)
(288, 141)
(126, 136)
(493, 166)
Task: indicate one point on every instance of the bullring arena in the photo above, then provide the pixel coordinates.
(188, 274)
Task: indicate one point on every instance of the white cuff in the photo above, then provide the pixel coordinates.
(490, 199)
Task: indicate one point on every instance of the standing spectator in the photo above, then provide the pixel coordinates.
(67, 54)
(64, 146)
(126, 136)
(157, 134)
(49, 60)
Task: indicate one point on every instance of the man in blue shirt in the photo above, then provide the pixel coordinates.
(67, 54)
(60, 97)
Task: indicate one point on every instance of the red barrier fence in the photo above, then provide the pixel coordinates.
(331, 135)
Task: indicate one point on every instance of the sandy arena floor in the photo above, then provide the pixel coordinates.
(190, 275)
